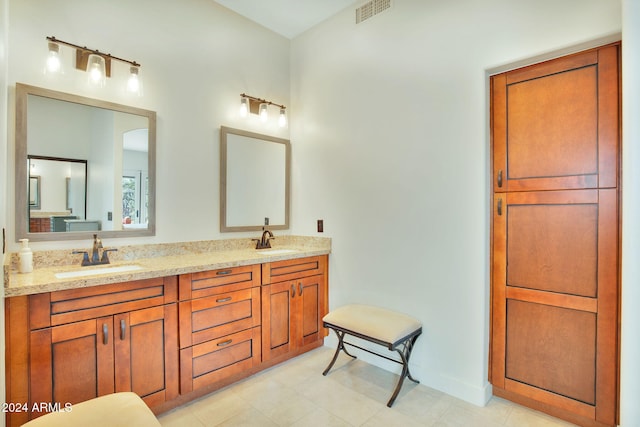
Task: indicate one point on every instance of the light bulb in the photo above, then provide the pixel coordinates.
(282, 119)
(134, 85)
(96, 69)
(264, 115)
(244, 107)
(54, 64)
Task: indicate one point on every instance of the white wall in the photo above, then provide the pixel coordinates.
(390, 147)
(630, 360)
(197, 57)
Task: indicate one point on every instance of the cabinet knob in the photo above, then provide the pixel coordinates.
(293, 290)
(500, 206)
(500, 178)
(224, 299)
(123, 327)
(223, 343)
(300, 288)
(105, 334)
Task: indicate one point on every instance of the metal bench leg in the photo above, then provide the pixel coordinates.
(405, 354)
(341, 346)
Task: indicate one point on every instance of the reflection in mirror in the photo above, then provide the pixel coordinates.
(254, 181)
(62, 192)
(34, 192)
(114, 141)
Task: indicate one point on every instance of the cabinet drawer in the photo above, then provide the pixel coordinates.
(73, 305)
(213, 282)
(216, 360)
(292, 269)
(204, 319)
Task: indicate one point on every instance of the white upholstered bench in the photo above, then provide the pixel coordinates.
(123, 409)
(398, 332)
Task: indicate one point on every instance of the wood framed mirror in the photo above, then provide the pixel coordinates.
(254, 181)
(111, 139)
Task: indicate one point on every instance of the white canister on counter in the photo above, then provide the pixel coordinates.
(26, 257)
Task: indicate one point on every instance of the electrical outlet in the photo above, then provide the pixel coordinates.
(109, 216)
(266, 220)
(320, 226)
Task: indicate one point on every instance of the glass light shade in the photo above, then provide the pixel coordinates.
(54, 62)
(244, 107)
(97, 70)
(282, 119)
(134, 85)
(262, 111)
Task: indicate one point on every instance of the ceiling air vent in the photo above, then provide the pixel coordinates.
(371, 9)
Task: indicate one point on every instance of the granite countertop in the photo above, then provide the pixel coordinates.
(154, 260)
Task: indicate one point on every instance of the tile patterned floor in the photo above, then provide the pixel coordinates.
(354, 394)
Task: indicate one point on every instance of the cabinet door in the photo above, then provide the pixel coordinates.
(554, 299)
(277, 319)
(146, 353)
(309, 310)
(555, 125)
(72, 363)
(292, 314)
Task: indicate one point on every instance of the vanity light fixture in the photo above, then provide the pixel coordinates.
(282, 118)
(244, 107)
(96, 69)
(54, 62)
(96, 63)
(259, 106)
(264, 115)
(134, 85)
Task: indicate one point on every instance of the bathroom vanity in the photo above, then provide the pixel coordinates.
(188, 319)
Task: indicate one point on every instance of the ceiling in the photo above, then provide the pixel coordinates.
(287, 17)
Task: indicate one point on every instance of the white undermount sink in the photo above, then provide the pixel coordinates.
(276, 251)
(97, 270)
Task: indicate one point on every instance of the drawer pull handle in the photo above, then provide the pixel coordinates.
(300, 289)
(293, 290)
(500, 178)
(223, 343)
(224, 299)
(499, 206)
(123, 327)
(224, 272)
(105, 334)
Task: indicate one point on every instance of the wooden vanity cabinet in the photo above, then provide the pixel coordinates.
(294, 301)
(89, 342)
(219, 313)
(169, 339)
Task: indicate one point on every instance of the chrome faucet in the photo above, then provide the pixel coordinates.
(96, 259)
(264, 241)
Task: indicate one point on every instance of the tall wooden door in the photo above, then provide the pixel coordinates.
(555, 228)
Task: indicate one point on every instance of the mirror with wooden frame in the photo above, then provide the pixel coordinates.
(117, 146)
(254, 181)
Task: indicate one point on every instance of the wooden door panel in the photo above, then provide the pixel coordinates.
(552, 127)
(144, 347)
(553, 247)
(277, 320)
(552, 348)
(556, 125)
(62, 355)
(280, 316)
(310, 297)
